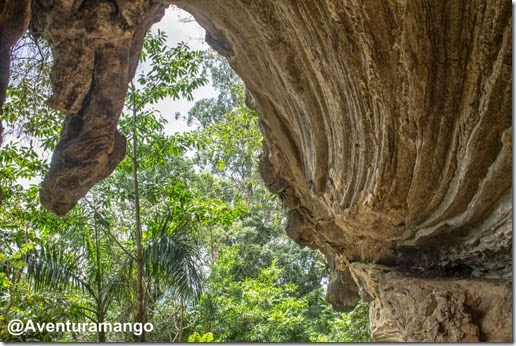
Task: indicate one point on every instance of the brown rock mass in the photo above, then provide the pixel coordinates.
(387, 130)
(95, 45)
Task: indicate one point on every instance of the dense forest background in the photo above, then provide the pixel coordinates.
(183, 234)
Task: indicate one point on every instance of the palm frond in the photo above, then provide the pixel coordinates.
(51, 266)
(175, 253)
(115, 287)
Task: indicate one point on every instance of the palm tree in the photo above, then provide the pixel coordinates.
(171, 261)
(163, 253)
(171, 252)
(84, 262)
(172, 256)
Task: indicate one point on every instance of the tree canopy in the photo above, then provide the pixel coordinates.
(183, 235)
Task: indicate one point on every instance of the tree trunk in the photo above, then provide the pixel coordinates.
(100, 319)
(140, 289)
(99, 299)
(140, 313)
(181, 321)
(14, 18)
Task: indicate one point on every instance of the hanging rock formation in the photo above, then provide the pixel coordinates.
(388, 133)
(387, 130)
(95, 46)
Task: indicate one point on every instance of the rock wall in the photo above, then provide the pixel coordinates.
(388, 134)
(387, 130)
(434, 310)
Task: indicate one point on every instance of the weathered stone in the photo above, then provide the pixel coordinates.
(341, 292)
(423, 310)
(95, 45)
(388, 135)
(387, 130)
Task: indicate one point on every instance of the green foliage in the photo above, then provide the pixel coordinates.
(175, 254)
(217, 264)
(174, 72)
(262, 287)
(31, 129)
(19, 162)
(86, 254)
(196, 337)
(257, 309)
(24, 113)
(348, 327)
(231, 92)
(231, 146)
(228, 140)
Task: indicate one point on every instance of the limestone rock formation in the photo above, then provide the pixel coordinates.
(387, 130)
(95, 46)
(434, 310)
(388, 133)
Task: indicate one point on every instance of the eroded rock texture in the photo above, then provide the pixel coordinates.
(387, 130)
(95, 45)
(434, 310)
(388, 134)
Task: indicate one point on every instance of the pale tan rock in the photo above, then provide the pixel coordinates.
(408, 309)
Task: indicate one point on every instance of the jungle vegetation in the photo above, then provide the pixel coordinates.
(183, 235)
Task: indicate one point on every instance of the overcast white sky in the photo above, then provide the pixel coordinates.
(191, 33)
(177, 31)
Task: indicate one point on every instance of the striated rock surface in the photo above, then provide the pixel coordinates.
(387, 130)
(388, 134)
(388, 125)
